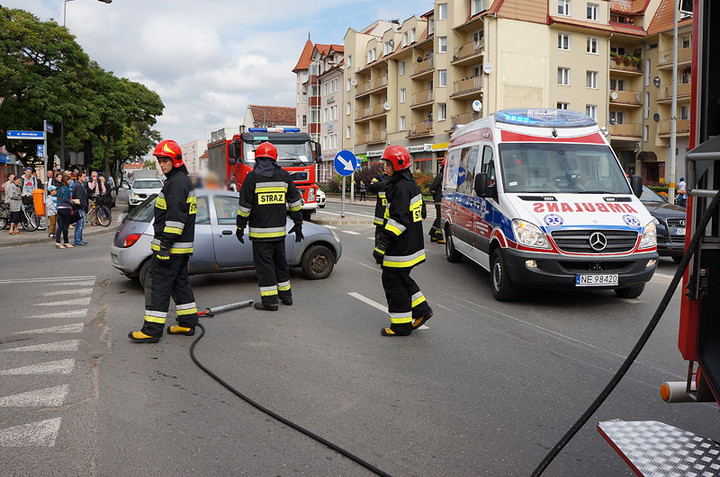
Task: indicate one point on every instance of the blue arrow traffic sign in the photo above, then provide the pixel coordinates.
(40, 150)
(26, 135)
(345, 163)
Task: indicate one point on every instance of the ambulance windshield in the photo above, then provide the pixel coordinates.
(571, 168)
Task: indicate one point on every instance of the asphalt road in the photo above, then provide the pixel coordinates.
(485, 390)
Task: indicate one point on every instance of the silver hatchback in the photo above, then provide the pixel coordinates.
(216, 248)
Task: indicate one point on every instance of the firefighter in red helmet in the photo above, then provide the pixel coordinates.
(175, 209)
(264, 193)
(400, 246)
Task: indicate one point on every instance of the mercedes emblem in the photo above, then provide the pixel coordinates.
(597, 241)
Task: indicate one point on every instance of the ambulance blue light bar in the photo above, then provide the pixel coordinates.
(273, 130)
(549, 118)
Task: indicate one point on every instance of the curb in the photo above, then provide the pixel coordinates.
(40, 236)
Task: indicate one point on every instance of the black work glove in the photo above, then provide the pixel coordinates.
(297, 230)
(163, 254)
(378, 255)
(239, 234)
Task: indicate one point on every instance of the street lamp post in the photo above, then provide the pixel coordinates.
(62, 120)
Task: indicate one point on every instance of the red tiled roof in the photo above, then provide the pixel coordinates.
(304, 61)
(276, 115)
(664, 18)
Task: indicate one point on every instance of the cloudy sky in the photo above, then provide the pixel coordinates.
(209, 59)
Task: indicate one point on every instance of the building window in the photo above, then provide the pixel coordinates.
(646, 106)
(617, 117)
(685, 76)
(348, 61)
(405, 39)
(325, 115)
(402, 67)
(591, 110)
(431, 26)
(442, 78)
(592, 11)
(647, 72)
(563, 105)
(564, 7)
(591, 79)
(684, 111)
(686, 41)
(412, 35)
(402, 98)
(592, 45)
(442, 11)
(304, 96)
(347, 132)
(617, 85)
(304, 120)
(442, 44)
(646, 133)
(401, 123)
(564, 76)
(442, 112)
(348, 85)
(477, 6)
(563, 41)
(348, 108)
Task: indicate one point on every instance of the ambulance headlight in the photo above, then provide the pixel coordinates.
(529, 235)
(649, 236)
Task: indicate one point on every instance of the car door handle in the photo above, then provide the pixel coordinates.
(227, 232)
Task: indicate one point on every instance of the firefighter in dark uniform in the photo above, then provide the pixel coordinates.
(436, 233)
(401, 246)
(263, 196)
(378, 185)
(175, 209)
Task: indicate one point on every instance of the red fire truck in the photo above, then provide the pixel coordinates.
(297, 154)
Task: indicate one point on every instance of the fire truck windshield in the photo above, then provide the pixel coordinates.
(288, 154)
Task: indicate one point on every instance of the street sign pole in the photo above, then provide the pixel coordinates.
(345, 164)
(342, 200)
(45, 153)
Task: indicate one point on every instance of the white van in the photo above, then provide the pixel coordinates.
(538, 198)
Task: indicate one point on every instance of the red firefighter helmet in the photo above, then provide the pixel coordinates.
(398, 156)
(169, 148)
(266, 149)
(443, 162)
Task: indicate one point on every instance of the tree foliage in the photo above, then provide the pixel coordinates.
(45, 75)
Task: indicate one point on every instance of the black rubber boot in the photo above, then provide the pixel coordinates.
(264, 307)
(286, 301)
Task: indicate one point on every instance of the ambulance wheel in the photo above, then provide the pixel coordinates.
(502, 289)
(630, 292)
(451, 252)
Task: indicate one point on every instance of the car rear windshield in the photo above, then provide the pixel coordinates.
(144, 211)
(572, 168)
(147, 184)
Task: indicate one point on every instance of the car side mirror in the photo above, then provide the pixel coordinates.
(318, 152)
(233, 152)
(481, 185)
(636, 185)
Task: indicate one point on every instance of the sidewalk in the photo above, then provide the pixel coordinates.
(41, 236)
(321, 217)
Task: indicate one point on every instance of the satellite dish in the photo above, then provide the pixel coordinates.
(387, 106)
(613, 95)
(353, 81)
(656, 117)
(656, 81)
(477, 106)
(487, 68)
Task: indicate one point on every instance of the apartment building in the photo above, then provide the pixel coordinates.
(413, 82)
(191, 153)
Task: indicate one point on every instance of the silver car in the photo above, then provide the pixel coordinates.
(141, 189)
(216, 248)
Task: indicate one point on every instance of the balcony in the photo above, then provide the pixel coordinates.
(423, 67)
(626, 65)
(683, 92)
(464, 118)
(467, 86)
(626, 98)
(665, 59)
(682, 127)
(422, 98)
(372, 85)
(369, 112)
(371, 137)
(423, 128)
(627, 131)
(467, 53)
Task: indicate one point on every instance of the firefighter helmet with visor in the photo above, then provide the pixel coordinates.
(266, 149)
(398, 156)
(169, 148)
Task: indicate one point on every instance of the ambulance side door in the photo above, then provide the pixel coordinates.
(467, 200)
(485, 206)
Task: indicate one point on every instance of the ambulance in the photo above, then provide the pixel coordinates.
(538, 198)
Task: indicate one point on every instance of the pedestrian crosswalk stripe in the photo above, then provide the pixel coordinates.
(87, 283)
(74, 328)
(53, 280)
(63, 314)
(331, 227)
(350, 232)
(75, 291)
(54, 396)
(67, 345)
(83, 301)
(35, 434)
(62, 366)
(370, 302)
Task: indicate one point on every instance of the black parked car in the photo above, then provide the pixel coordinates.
(671, 224)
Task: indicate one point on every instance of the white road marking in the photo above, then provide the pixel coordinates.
(370, 238)
(331, 227)
(55, 280)
(85, 283)
(67, 345)
(83, 301)
(63, 314)
(349, 213)
(350, 232)
(62, 366)
(35, 434)
(54, 396)
(74, 328)
(375, 304)
(75, 291)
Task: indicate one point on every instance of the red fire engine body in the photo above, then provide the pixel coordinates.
(233, 159)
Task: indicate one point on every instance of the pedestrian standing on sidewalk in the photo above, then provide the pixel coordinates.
(29, 182)
(81, 204)
(64, 210)
(401, 246)
(51, 210)
(363, 190)
(6, 187)
(15, 192)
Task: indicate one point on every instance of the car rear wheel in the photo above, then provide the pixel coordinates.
(630, 292)
(317, 262)
(144, 273)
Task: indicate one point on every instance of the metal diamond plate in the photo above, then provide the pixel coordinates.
(654, 448)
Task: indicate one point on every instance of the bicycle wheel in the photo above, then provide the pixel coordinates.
(104, 217)
(4, 218)
(30, 221)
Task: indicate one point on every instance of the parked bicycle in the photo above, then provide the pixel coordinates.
(101, 214)
(4, 216)
(30, 220)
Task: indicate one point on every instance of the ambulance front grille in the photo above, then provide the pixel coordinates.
(578, 241)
